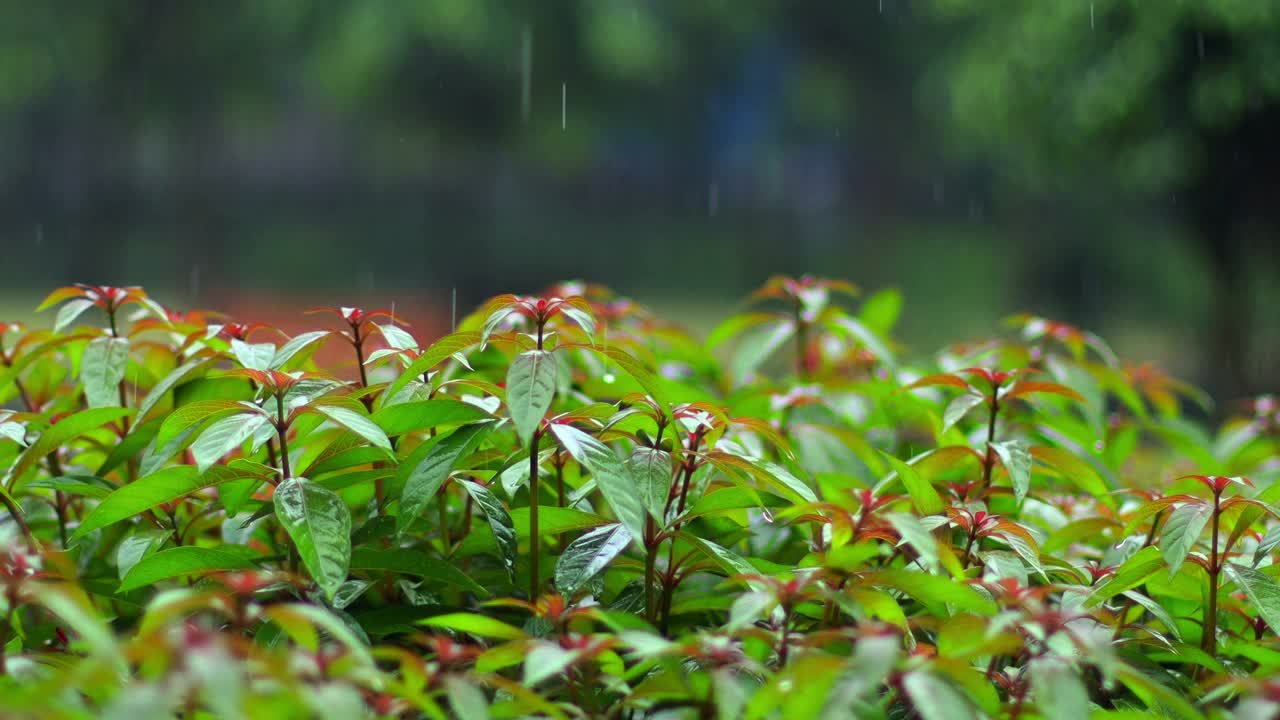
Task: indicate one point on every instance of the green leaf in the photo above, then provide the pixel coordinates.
(933, 590)
(223, 436)
(1131, 573)
(960, 406)
(131, 446)
(467, 700)
(756, 345)
(651, 469)
(142, 495)
(68, 313)
(1182, 531)
(635, 369)
(1025, 550)
(1016, 458)
(179, 561)
(545, 660)
(915, 534)
(409, 562)
(254, 356)
(319, 523)
(1075, 470)
(473, 624)
(588, 555)
(192, 414)
(730, 562)
(1262, 590)
(102, 368)
(82, 485)
(138, 545)
(923, 495)
(504, 533)
(869, 339)
(531, 386)
(296, 344)
(423, 414)
(439, 351)
(63, 432)
(428, 466)
(611, 476)
(1157, 610)
(936, 699)
(1059, 692)
(355, 421)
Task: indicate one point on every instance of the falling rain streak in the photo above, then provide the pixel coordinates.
(564, 93)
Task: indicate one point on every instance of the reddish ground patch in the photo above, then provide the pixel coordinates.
(427, 318)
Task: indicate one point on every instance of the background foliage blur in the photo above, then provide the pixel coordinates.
(1110, 163)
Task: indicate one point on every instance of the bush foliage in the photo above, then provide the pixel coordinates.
(569, 507)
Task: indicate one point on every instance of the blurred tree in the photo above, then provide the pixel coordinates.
(1170, 99)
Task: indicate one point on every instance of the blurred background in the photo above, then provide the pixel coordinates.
(1114, 164)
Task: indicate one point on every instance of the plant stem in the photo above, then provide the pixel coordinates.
(533, 511)
(989, 461)
(443, 504)
(784, 646)
(802, 343)
(1208, 639)
(650, 570)
(272, 459)
(282, 429)
(16, 513)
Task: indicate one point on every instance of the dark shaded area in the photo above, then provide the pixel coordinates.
(1113, 165)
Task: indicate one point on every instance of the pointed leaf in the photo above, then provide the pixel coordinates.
(1182, 531)
(319, 523)
(355, 421)
(651, 469)
(960, 406)
(68, 313)
(223, 436)
(63, 432)
(588, 555)
(923, 495)
(142, 495)
(424, 414)
(428, 466)
(611, 476)
(1016, 458)
(531, 386)
(1262, 590)
(254, 356)
(418, 564)
(168, 382)
(1059, 691)
(499, 519)
(179, 561)
(102, 369)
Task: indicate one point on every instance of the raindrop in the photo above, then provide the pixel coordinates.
(1090, 16)
(713, 198)
(880, 6)
(193, 281)
(768, 516)
(609, 378)
(39, 234)
(564, 95)
(453, 310)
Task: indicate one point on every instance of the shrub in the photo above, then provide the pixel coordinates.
(569, 507)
